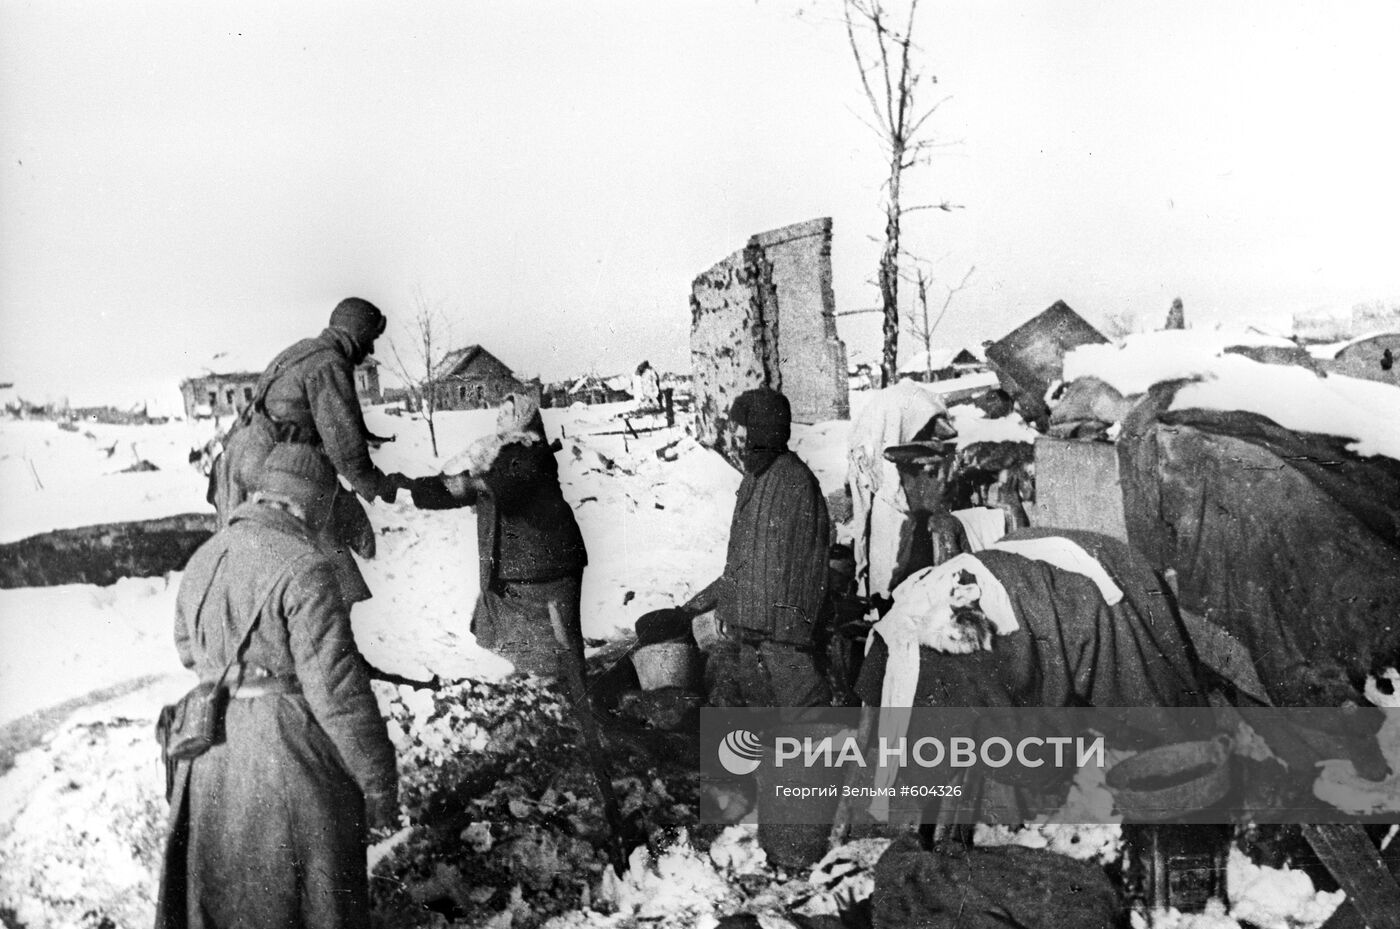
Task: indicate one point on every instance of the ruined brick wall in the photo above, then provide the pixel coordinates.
(765, 316)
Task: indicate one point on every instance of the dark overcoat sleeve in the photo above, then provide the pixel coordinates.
(335, 679)
(335, 408)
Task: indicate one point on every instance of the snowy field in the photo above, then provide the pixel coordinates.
(655, 529)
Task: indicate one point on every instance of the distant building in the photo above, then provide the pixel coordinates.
(218, 395)
(472, 378)
(367, 382)
(594, 388)
(1334, 325)
(862, 376)
(941, 364)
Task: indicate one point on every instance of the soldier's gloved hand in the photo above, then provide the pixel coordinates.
(432, 493)
(382, 812)
(389, 486)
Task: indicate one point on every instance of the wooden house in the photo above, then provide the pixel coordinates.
(472, 378)
(367, 382)
(217, 395)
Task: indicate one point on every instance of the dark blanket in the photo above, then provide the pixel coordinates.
(1287, 540)
(1072, 649)
(953, 887)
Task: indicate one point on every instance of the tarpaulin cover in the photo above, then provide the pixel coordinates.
(1287, 540)
(1072, 648)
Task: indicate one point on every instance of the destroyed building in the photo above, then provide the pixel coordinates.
(220, 394)
(765, 316)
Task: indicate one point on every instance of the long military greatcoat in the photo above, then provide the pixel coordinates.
(267, 829)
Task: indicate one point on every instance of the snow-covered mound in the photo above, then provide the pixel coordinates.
(1295, 397)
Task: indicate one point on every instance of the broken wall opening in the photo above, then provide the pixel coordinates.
(765, 316)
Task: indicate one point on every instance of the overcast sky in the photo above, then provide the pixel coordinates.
(181, 179)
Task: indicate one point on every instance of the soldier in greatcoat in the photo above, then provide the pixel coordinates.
(268, 827)
(307, 397)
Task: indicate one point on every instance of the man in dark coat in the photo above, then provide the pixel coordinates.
(531, 553)
(307, 397)
(268, 827)
(769, 599)
(931, 534)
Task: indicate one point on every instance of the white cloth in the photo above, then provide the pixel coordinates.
(1066, 555)
(983, 525)
(513, 426)
(891, 416)
(922, 615)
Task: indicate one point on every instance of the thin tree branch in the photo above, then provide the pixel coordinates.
(945, 206)
(949, 299)
(919, 123)
(861, 66)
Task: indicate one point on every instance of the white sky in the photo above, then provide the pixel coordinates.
(180, 179)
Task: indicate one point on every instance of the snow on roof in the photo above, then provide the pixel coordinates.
(1297, 399)
(1330, 350)
(973, 426)
(1141, 360)
(232, 362)
(928, 361)
(965, 382)
(615, 382)
(1290, 395)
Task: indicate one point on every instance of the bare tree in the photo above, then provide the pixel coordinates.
(422, 363)
(892, 77)
(922, 323)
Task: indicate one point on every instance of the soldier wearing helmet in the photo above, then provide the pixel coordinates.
(307, 397)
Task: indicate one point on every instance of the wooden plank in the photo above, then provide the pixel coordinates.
(1372, 894)
(1077, 487)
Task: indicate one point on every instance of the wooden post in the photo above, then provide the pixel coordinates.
(1373, 898)
(572, 661)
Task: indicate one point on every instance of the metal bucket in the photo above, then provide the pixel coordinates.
(1163, 783)
(667, 664)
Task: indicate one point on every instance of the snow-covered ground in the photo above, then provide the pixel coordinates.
(654, 531)
(51, 478)
(83, 810)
